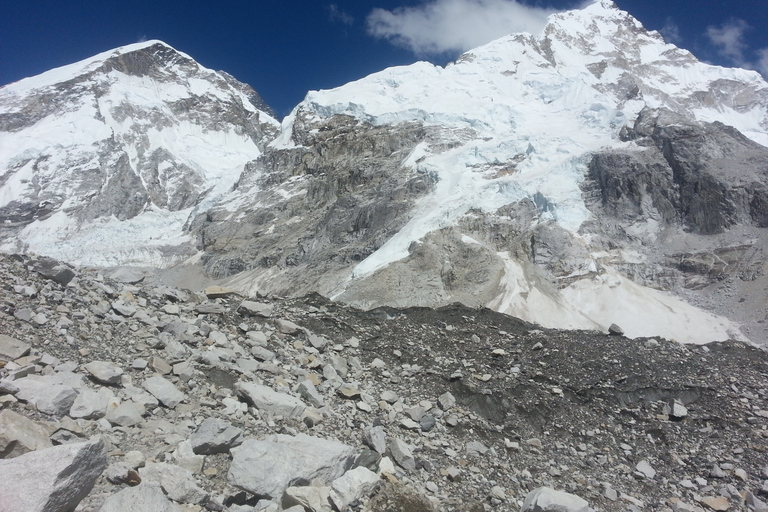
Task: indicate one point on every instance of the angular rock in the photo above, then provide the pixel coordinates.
(716, 472)
(352, 486)
(127, 414)
(105, 372)
(210, 308)
(755, 503)
(719, 503)
(309, 392)
(675, 410)
(402, 454)
(286, 326)
(262, 354)
(268, 400)
(545, 499)
(218, 292)
(476, 448)
(615, 330)
(51, 480)
(53, 270)
(251, 308)
(175, 352)
(46, 395)
(178, 483)
(19, 435)
(446, 401)
(164, 391)
(376, 439)
(147, 497)
(215, 435)
(160, 365)
(269, 467)
(389, 396)
(318, 342)
(126, 310)
(645, 469)
(310, 498)
(91, 404)
(11, 348)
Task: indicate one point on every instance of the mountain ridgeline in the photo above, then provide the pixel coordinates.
(586, 176)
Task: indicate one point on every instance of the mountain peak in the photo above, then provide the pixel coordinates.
(129, 59)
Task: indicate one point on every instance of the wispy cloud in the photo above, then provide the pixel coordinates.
(339, 16)
(671, 32)
(443, 26)
(730, 41)
(762, 63)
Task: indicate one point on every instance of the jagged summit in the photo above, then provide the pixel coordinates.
(100, 62)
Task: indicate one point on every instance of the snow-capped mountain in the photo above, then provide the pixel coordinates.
(104, 160)
(588, 175)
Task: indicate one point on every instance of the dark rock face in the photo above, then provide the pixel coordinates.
(317, 208)
(691, 198)
(706, 177)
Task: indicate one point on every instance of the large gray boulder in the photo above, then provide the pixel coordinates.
(51, 480)
(142, 498)
(105, 372)
(545, 499)
(164, 390)
(353, 485)
(46, 394)
(269, 467)
(273, 402)
(251, 308)
(90, 404)
(19, 435)
(11, 348)
(215, 435)
(177, 482)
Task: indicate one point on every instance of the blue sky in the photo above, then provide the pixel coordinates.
(285, 48)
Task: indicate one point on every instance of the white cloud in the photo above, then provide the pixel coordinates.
(729, 39)
(442, 26)
(671, 32)
(340, 16)
(762, 63)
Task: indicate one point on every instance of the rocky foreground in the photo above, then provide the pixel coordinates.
(124, 395)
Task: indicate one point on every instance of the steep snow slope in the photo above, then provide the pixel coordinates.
(521, 118)
(104, 160)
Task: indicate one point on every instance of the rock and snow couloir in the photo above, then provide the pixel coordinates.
(482, 182)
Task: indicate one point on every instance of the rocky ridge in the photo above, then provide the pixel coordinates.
(454, 408)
